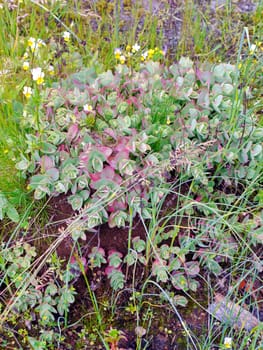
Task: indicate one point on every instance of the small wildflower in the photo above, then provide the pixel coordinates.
(144, 56)
(168, 121)
(40, 43)
(128, 48)
(51, 70)
(117, 53)
(228, 343)
(38, 75)
(25, 65)
(135, 48)
(25, 56)
(31, 42)
(252, 49)
(87, 108)
(27, 91)
(66, 36)
(150, 53)
(239, 66)
(122, 59)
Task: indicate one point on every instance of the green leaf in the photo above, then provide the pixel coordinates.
(48, 148)
(180, 282)
(37, 344)
(51, 289)
(180, 300)
(95, 163)
(12, 213)
(106, 78)
(76, 201)
(256, 150)
(116, 279)
(138, 244)
(23, 164)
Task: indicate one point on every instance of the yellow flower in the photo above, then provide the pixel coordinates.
(26, 65)
(38, 75)
(87, 108)
(27, 91)
(122, 59)
(66, 36)
(31, 42)
(117, 53)
(228, 343)
(168, 121)
(128, 48)
(150, 53)
(51, 70)
(25, 56)
(239, 66)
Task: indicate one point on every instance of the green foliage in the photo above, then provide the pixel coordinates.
(179, 119)
(44, 297)
(6, 208)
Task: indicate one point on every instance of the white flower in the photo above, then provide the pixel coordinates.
(27, 91)
(38, 75)
(66, 36)
(122, 59)
(228, 343)
(26, 65)
(252, 49)
(31, 42)
(40, 43)
(51, 70)
(117, 53)
(144, 56)
(135, 48)
(87, 108)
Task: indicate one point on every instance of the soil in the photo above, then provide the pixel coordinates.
(164, 329)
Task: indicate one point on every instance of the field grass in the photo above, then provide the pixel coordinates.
(198, 210)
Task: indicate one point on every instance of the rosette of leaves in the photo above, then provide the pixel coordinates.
(96, 155)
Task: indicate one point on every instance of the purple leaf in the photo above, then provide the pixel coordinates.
(53, 173)
(73, 132)
(106, 151)
(111, 133)
(114, 160)
(46, 163)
